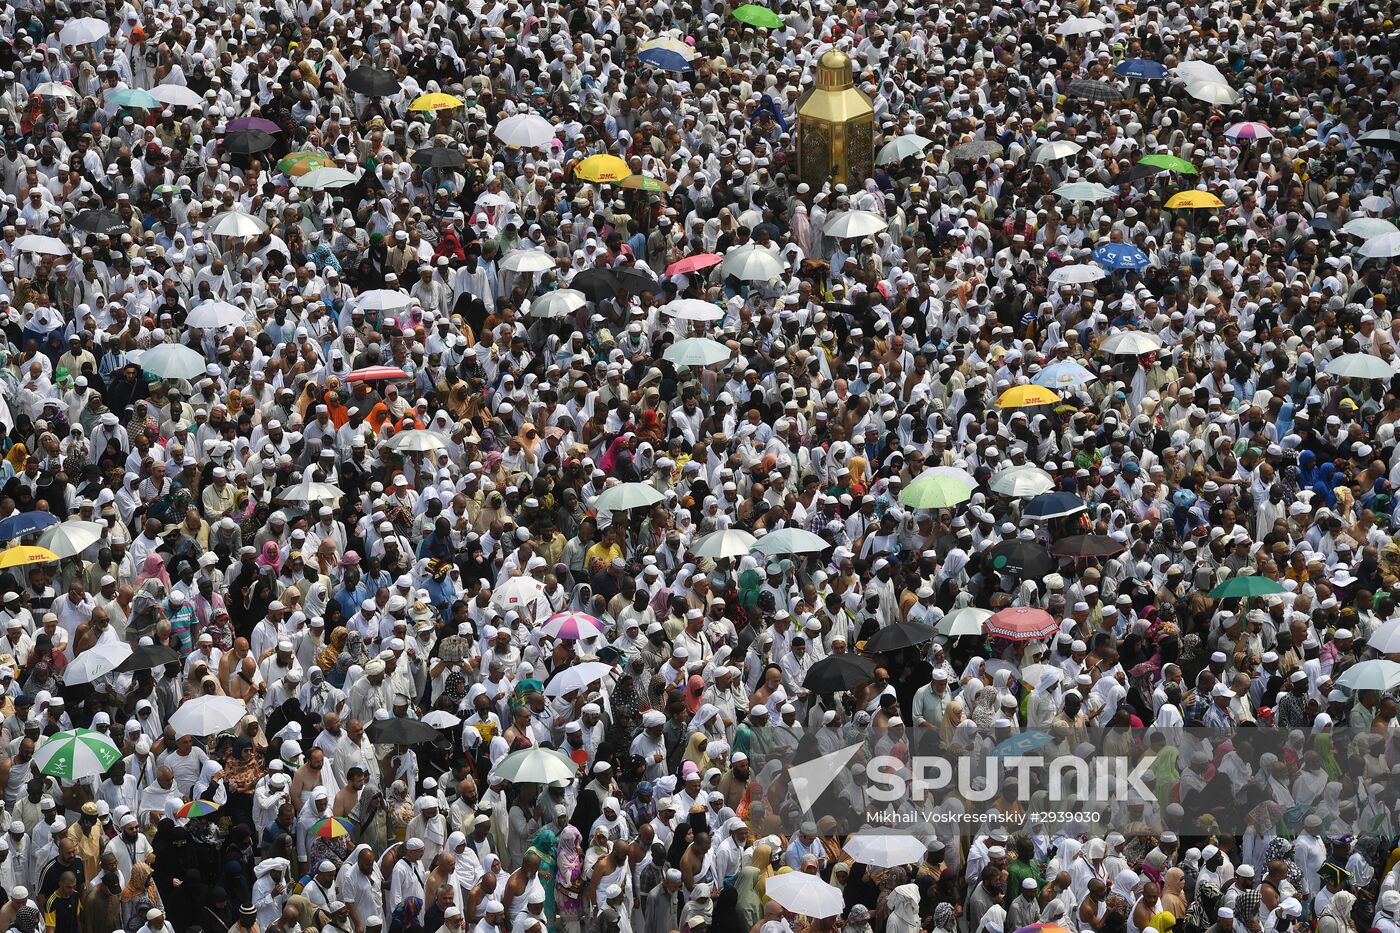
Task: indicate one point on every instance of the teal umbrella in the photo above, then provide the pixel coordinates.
(134, 98)
(1252, 585)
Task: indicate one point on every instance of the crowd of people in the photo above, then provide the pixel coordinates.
(459, 464)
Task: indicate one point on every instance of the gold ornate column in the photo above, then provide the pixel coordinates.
(835, 127)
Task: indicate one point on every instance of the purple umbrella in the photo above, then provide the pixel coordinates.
(252, 123)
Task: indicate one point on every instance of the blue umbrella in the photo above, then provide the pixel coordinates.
(1142, 68)
(1022, 743)
(1050, 505)
(665, 59)
(23, 523)
(1063, 373)
(1121, 256)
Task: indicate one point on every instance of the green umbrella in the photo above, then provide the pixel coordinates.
(77, 754)
(935, 492)
(1252, 585)
(759, 16)
(1169, 162)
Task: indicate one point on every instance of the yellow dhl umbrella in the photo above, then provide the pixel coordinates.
(602, 168)
(1194, 199)
(435, 102)
(1026, 397)
(24, 555)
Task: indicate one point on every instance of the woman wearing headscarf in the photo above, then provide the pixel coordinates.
(1337, 917)
(139, 895)
(750, 902)
(374, 824)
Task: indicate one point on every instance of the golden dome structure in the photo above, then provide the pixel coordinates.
(835, 126)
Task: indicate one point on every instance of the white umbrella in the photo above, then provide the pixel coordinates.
(517, 593)
(311, 491)
(206, 715)
(44, 245)
(71, 538)
(383, 299)
(1198, 72)
(624, 496)
(83, 31)
(1385, 246)
(525, 131)
(577, 677)
(176, 95)
(95, 662)
(1023, 482)
(731, 542)
(884, 849)
(441, 719)
(901, 148)
(1213, 92)
(319, 179)
(965, 621)
(791, 541)
(805, 894)
(1377, 203)
(54, 89)
(1360, 366)
(1084, 191)
(848, 225)
(215, 314)
(236, 223)
(693, 309)
(1386, 639)
(1130, 343)
(1377, 674)
(751, 263)
(697, 351)
(536, 766)
(1078, 274)
(558, 303)
(1367, 227)
(1054, 150)
(1080, 26)
(173, 361)
(417, 441)
(527, 260)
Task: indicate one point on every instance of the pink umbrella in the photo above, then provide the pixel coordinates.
(1021, 623)
(572, 626)
(693, 263)
(252, 123)
(371, 373)
(1249, 130)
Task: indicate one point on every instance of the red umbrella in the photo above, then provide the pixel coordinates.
(1021, 623)
(370, 373)
(693, 263)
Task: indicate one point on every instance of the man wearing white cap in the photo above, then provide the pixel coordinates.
(408, 877)
(650, 744)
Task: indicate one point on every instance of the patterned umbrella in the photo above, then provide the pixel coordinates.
(1022, 623)
(76, 754)
(333, 827)
(197, 808)
(572, 626)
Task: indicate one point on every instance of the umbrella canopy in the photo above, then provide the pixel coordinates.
(1195, 70)
(1022, 623)
(693, 309)
(665, 59)
(1194, 200)
(697, 351)
(1027, 396)
(438, 157)
(1385, 246)
(1385, 139)
(247, 142)
(417, 440)
(1055, 150)
(1022, 482)
(693, 264)
(324, 179)
(901, 147)
(173, 361)
(25, 523)
(1143, 69)
(1245, 586)
(372, 82)
(935, 492)
(643, 183)
(383, 299)
(212, 315)
(525, 131)
(635, 280)
(898, 636)
(54, 89)
(837, 672)
(1084, 191)
(791, 541)
(43, 245)
(84, 30)
(1213, 92)
(252, 123)
(1249, 129)
(148, 658)
(1169, 163)
(1098, 91)
(1130, 343)
(24, 555)
(884, 849)
(730, 542)
(847, 225)
(400, 730)
(133, 98)
(1121, 256)
(578, 677)
(558, 303)
(1053, 505)
(435, 101)
(1377, 674)
(572, 626)
(597, 284)
(97, 661)
(99, 221)
(299, 163)
(333, 827)
(977, 149)
(626, 496)
(197, 808)
(759, 16)
(1367, 227)
(807, 895)
(312, 491)
(751, 263)
(1077, 274)
(518, 593)
(376, 373)
(1024, 559)
(1081, 26)
(176, 95)
(76, 754)
(1376, 203)
(1359, 366)
(602, 169)
(71, 538)
(1087, 546)
(238, 224)
(1023, 743)
(536, 766)
(968, 620)
(206, 715)
(1386, 639)
(1064, 373)
(441, 718)
(527, 260)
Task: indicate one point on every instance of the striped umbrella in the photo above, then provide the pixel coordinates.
(572, 626)
(1249, 130)
(197, 808)
(333, 827)
(299, 163)
(76, 754)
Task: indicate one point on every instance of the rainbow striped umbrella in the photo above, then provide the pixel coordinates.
(333, 827)
(197, 808)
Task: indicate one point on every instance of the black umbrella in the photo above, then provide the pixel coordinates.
(247, 142)
(98, 221)
(596, 284)
(897, 636)
(1139, 171)
(372, 82)
(837, 672)
(1022, 559)
(635, 280)
(438, 157)
(148, 657)
(1087, 546)
(1100, 91)
(398, 731)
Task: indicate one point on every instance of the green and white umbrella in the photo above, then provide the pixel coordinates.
(965, 621)
(76, 754)
(791, 541)
(730, 542)
(696, 351)
(1377, 674)
(626, 496)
